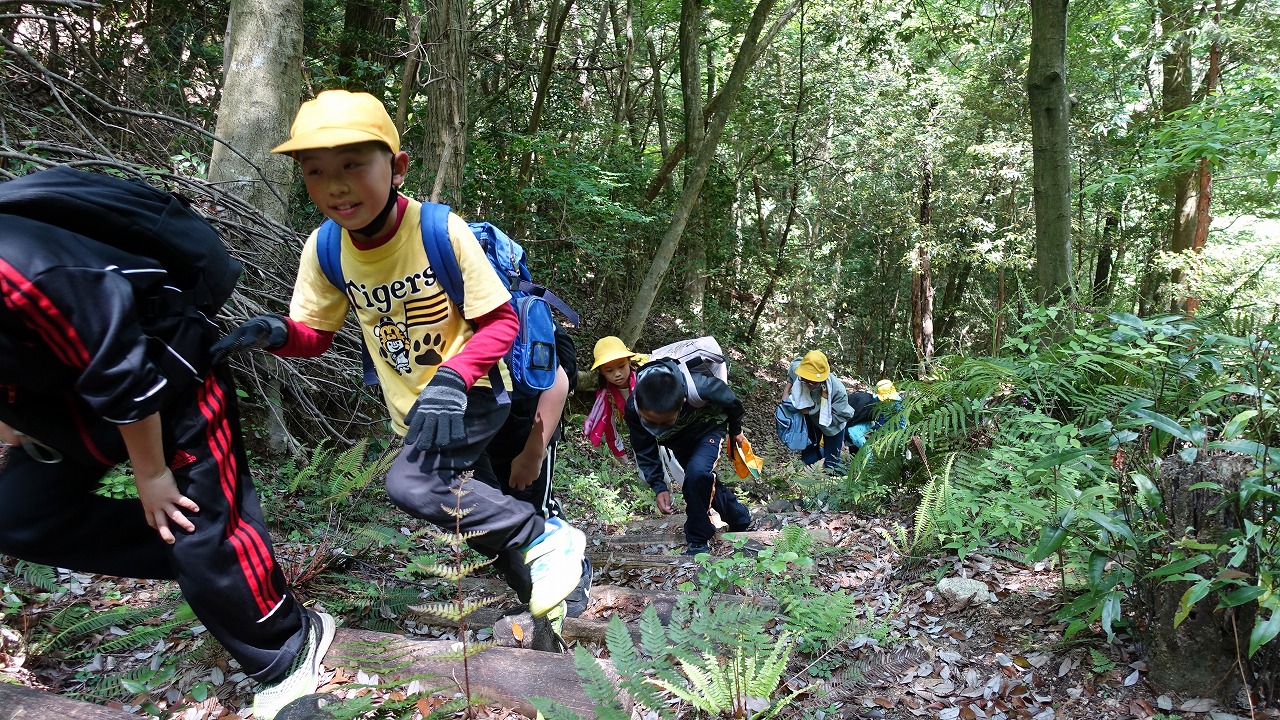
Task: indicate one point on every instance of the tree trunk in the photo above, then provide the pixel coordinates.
(412, 61)
(696, 175)
(677, 153)
(659, 102)
(445, 134)
(261, 86)
(921, 277)
(1203, 218)
(1175, 22)
(957, 285)
(1102, 273)
(558, 16)
(1050, 149)
(367, 29)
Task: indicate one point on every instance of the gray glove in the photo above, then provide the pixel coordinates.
(435, 420)
(267, 332)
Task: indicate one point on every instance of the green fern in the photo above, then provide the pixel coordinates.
(819, 620)
(934, 501)
(719, 685)
(38, 576)
(794, 538)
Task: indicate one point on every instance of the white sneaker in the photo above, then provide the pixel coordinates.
(304, 673)
(555, 565)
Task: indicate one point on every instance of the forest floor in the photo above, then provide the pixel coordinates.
(919, 655)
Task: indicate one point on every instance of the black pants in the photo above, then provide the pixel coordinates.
(697, 454)
(49, 514)
(508, 443)
(425, 487)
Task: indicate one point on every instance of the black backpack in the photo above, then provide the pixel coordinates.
(134, 217)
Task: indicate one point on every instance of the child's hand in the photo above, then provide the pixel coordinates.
(664, 502)
(163, 504)
(268, 332)
(436, 419)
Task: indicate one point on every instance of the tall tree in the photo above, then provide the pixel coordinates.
(1176, 20)
(262, 82)
(695, 175)
(445, 143)
(922, 275)
(1050, 148)
(367, 29)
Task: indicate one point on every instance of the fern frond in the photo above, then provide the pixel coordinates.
(38, 576)
(452, 573)
(474, 647)
(596, 685)
(794, 538)
(452, 610)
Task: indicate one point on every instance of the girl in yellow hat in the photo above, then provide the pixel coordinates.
(615, 365)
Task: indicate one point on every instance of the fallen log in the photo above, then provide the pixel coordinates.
(18, 701)
(509, 676)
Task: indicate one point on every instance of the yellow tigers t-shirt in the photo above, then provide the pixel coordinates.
(409, 323)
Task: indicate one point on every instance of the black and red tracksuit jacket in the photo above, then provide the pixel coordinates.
(91, 337)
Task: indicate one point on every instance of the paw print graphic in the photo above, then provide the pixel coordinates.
(427, 350)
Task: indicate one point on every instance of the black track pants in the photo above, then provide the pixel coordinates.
(49, 514)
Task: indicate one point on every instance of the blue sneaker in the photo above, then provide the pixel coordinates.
(555, 565)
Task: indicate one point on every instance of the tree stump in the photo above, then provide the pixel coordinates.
(1202, 656)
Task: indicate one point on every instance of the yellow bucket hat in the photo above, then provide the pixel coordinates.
(886, 391)
(608, 349)
(339, 117)
(813, 367)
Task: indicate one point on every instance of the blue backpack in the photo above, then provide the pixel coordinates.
(792, 430)
(532, 358)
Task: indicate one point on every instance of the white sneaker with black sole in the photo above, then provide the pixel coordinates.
(304, 673)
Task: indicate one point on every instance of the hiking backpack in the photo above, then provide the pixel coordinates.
(135, 217)
(532, 358)
(792, 430)
(702, 355)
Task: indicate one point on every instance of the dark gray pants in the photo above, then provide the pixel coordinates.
(425, 487)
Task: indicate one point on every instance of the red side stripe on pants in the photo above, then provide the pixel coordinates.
(43, 316)
(255, 561)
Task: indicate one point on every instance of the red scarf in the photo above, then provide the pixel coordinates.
(599, 424)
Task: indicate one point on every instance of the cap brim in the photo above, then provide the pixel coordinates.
(327, 138)
(611, 357)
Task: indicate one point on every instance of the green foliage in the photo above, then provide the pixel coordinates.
(758, 572)
(717, 657)
(118, 484)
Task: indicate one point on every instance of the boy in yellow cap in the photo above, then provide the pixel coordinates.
(820, 396)
(432, 358)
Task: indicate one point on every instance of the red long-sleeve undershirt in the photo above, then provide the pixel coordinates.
(494, 333)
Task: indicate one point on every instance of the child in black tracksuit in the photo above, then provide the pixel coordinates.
(523, 453)
(89, 378)
(658, 413)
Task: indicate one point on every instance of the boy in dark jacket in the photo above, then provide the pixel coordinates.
(92, 375)
(658, 414)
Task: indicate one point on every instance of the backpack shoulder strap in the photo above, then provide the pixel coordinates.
(329, 253)
(435, 240)
(444, 263)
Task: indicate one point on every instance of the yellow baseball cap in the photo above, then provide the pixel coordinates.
(339, 117)
(886, 391)
(608, 349)
(813, 367)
